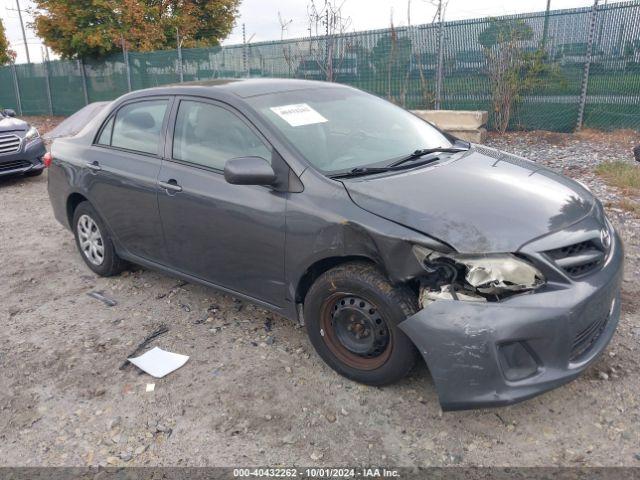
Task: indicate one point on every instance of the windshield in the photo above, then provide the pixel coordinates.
(338, 129)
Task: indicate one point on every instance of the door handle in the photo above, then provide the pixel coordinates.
(171, 185)
(95, 166)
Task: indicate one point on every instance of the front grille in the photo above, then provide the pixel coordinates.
(586, 338)
(15, 165)
(9, 144)
(578, 259)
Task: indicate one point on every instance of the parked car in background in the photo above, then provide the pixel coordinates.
(21, 148)
(384, 236)
(344, 69)
(470, 61)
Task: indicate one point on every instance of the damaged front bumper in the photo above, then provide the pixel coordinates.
(499, 353)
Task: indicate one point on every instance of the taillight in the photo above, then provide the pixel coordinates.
(47, 159)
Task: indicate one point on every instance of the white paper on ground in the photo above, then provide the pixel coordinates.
(158, 363)
(298, 115)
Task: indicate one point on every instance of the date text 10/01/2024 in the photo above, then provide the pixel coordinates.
(317, 472)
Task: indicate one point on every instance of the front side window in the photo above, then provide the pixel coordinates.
(138, 127)
(209, 135)
(338, 129)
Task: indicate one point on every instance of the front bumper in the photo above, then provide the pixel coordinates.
(463, 342)
(27, 159)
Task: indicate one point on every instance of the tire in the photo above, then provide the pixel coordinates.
(34, 173)
(104, 261)
(351, 315)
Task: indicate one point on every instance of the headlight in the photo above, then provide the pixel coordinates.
(491, 273)
(499, 272)
(31, 135)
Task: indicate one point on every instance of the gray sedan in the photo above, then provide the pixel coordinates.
(387, 238)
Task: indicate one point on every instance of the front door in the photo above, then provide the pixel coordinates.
(230, 235)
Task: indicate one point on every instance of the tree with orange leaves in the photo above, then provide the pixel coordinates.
(96, 28)
(6, 54)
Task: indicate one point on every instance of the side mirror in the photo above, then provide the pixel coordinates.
(9, 113)
(249, 171)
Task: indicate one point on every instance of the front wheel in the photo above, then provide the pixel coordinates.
(352, 314)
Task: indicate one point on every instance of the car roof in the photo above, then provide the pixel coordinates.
(243, 88)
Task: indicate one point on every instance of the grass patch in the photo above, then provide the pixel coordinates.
(620, 174)
(630, 206)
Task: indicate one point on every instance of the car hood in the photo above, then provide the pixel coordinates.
(481, 201)
(11, 124)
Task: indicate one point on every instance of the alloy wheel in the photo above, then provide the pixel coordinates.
(90, 240)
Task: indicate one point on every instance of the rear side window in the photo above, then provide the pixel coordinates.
(105, 135)
(137, 127)
(209, 135)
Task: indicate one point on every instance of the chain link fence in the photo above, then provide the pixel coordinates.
(593, 54)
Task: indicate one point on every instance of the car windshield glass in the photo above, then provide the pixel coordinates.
(338, 129)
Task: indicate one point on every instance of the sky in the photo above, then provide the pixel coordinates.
(261, 17)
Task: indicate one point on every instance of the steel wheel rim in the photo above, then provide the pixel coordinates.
(90, 240)
(355, 332)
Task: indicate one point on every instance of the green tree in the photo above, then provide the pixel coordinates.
(96, 28)
(391, 57)
(512, 68)
(505, 31)
(6, 54)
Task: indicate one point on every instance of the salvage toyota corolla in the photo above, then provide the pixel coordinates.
(386, 237)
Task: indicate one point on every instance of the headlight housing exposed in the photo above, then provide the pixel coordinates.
(492, 274)
(31, 135)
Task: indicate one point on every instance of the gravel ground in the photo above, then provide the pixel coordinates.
(254, 392)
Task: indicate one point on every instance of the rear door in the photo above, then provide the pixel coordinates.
(229, 235)
(123, 167)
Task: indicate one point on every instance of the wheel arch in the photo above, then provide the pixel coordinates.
(323, 265)
(73, 201)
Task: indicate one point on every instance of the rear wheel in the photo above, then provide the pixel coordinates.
(352, 314)
(94, 242)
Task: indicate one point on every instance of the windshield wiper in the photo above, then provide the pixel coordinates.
(401, 163)
(426, 151)
(360, 171)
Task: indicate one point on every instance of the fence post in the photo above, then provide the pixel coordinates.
(440, 60)
(125, 56)
(16, 87)
(83, 76)
(587, 66)
(245, 65)
(128, 68)
(48, 83)
(180, 72)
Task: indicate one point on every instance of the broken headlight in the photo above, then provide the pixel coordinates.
(491, 274)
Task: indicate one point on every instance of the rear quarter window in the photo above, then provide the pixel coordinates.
(105, 135)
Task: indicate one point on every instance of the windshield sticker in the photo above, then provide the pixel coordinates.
(298, 115)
